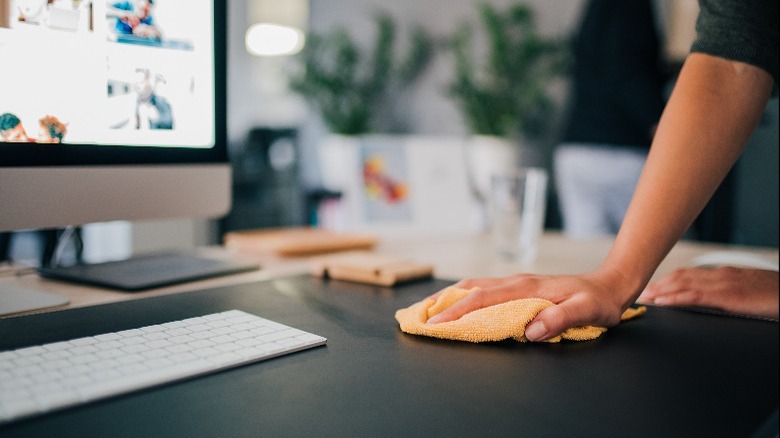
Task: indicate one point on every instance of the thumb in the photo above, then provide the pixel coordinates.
(555, 320)
(544, 326)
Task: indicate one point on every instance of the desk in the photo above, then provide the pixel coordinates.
(668, 373)
(452, 257)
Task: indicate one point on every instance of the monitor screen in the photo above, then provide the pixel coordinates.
(111, 110)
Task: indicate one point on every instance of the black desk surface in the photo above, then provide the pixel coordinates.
(667, 373)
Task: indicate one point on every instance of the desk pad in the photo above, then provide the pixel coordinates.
(667, 373)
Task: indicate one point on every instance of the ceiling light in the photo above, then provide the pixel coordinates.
(266, 39)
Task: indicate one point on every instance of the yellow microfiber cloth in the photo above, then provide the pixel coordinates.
(493, 323)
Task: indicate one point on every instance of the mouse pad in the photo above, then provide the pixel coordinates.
(148, 271)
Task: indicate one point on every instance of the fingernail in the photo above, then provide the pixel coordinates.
(536, 331)
(433, 320)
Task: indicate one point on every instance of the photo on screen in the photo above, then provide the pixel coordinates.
(63, 15)
(150, 96)
(144, 22)
(50, 129)
(140, 102)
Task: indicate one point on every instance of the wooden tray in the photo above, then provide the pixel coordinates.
(291, 242)
(370, 268)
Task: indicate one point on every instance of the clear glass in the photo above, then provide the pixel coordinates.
(518, 202)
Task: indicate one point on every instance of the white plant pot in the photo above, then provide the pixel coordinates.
(486, 156)
(339, 160)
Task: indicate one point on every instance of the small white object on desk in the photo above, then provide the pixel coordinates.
(741, 259)
(15, 299)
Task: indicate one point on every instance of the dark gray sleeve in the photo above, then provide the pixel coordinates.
(740, 30)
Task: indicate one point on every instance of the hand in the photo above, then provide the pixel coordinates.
(146, 31)
(590, 299)
(735, 290)
(131, 20)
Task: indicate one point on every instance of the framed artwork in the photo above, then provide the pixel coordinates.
(398, 185)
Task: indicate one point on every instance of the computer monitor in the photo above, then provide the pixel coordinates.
(112, 110)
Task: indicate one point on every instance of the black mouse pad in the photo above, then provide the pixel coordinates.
(148, 271)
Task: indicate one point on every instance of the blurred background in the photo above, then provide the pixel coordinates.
(263, 106)
(315, 84)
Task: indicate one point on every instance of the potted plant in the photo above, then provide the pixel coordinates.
(349, 86)
(504, 96)
(355, 89)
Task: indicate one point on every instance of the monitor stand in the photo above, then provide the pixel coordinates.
(148, 271)
(14, 299)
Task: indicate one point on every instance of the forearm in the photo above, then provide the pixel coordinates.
(711, 114)
(116, 13)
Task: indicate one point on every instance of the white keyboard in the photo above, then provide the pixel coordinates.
(40, 379)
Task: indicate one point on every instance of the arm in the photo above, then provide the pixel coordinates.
(710, 116)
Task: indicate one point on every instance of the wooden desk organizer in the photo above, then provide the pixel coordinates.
(370, 268)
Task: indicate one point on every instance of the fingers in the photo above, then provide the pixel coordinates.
(482, 283)
(681, 298)
(575, 312)
(473, 301)
(688, 284)
(456, 311)
(490, 292)
(435, 296)
(746, 291)
(679, 281)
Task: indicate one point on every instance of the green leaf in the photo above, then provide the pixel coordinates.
(506, 93)
(347, 85)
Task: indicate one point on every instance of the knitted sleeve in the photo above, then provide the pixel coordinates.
(740, 30)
